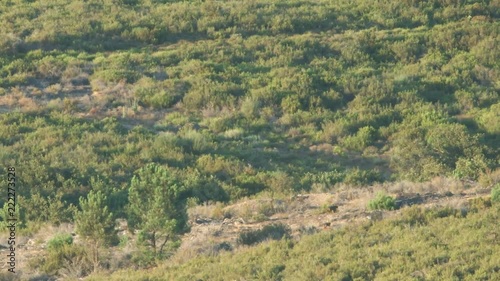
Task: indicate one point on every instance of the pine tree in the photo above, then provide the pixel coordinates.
(155, 207)
(95, 223)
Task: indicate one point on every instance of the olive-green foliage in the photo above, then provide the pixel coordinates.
(96, 225)
(363, 138)
(69, 257)
(247, 61)
(271, 232)
(62, 257)
(59, 240)
(490, 118)
(362, 177)
(152, 93)
(416, 216)
(55, 210)
(280, 96)
(328, 179)
(202, 188)
(155, 207)
(20, 214)
(382, 201)
(442, 148)
(478, 204)
(95, 222)
(495, 193)
(431, 244)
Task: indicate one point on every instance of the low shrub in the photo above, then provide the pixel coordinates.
(272, 231)
(59, 241)
(480, 203)
(63, 257)
(382, 202)
(123, 241)
(444, 212)
(495, 194)
(307, 230)
(362, 139)
(143, 258)
(266, 209)
(327, 208)
(224, 246)
(360, 177)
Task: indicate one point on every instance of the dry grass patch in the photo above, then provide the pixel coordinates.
(10, 100)
(257, 210)
(28, 105)
(490, 178)
(53, 89)
(214, 211)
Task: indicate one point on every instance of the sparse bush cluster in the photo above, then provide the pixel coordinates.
(63, 258)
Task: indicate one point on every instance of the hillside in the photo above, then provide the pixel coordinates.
(419, 244)
(155, 112)
(223, 237)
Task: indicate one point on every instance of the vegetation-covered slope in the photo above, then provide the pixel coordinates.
(232, 99)
(436, 244)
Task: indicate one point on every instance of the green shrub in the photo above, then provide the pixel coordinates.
(272, 231)
(70, 258)
(266, 209)
(495, 193)
(123, 241)
(418, 216)
(328, 179)
(9, 43)
(194, 141)
(277, 104)
(469, 168)
(413, 216)
(143, 258)
(59, 241)
(362, 177)
(382, 202)
(250, 107)
(280, 182)
(290, 104)
(362, 139)
(478, 204)
(151, 93)
(435, 213)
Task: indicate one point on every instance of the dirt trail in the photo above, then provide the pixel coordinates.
(309, 213)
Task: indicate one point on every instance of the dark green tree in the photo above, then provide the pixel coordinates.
(155, 207)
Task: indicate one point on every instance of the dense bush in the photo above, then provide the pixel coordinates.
(362, 177)
(362, 139)
(382, 202)
(59, 241)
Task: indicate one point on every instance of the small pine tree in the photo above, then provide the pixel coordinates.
(155, 207)
(95, 223)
